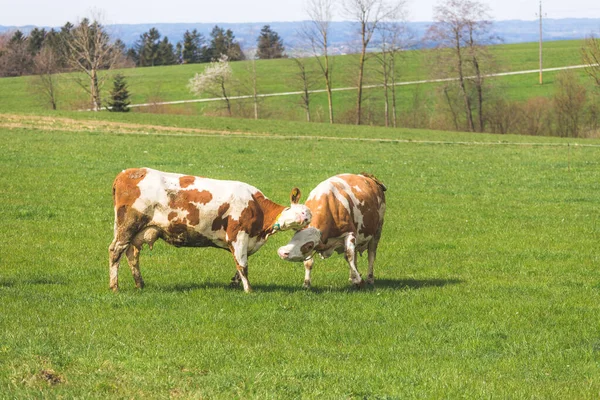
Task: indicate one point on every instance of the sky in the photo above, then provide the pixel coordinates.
(57, 12)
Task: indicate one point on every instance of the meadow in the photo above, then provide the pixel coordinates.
(486, 282)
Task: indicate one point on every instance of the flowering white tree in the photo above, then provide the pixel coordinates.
(214, 80)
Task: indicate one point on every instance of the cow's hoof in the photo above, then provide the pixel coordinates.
(360, 284)
(115, 289)
(306, 285)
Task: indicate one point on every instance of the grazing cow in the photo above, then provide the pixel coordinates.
(190, 211)
(347, 216)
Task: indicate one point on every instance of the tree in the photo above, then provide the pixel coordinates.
(569, 104)
(460, 32)
(591, 58)
(305, 76)
(119, 95)
(35, 40)
(15, 60)
(89, 50)
(165, 53)
(223, 43)
(393, 40)
(316, 33)
(368, 14)
(146, 48)
(194, 48)
(214, 80)
(46, 67)
(269, 44)
(251, 68)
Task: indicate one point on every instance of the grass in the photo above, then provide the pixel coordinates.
(487, 279)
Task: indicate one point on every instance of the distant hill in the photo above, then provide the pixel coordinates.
(512, 31)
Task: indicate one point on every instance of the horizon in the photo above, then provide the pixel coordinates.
(40, 13)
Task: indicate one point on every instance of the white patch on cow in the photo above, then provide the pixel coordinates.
(154, 200)
(240, 245)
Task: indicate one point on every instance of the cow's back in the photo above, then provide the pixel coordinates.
(184, 210)
(348, 203)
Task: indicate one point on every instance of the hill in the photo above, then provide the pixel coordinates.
(512, 31)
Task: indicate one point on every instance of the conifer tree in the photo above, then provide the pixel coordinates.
(119, 95)
(269, 44)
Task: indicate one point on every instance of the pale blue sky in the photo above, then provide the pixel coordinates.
(57, 12)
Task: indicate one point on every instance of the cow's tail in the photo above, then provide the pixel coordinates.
(377, 181)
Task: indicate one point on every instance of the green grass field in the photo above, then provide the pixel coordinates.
(487, 282)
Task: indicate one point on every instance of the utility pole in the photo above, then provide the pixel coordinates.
(541, 79)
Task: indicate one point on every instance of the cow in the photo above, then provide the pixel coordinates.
(192, 211)
(347, 216)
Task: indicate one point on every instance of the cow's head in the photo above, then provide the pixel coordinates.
(302, 246)
(296, 216)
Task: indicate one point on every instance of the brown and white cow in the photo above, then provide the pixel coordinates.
(191, 211)
(347, 216)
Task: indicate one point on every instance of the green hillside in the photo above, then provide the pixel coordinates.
(169, 83)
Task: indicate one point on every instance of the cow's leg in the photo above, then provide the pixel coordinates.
(372, 252)
(133, 258)
(239, 249)
(308, 264)
(115, 251)
(350, 255)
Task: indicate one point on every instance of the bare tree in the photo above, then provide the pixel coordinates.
(393, 39)
(89, 50)
(214, 80)
(368, 14)
(15, 57)
(461, 31)
(305, 76)
(46, 67)
(569, 104)
(316, 33)
(591, 57)
(250, 55)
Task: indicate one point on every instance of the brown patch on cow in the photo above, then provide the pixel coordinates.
(172, 215)
(251, 222)
(126, 190)
(270, 211)
(370, 193)
(186, 181)
(330, 217)
(179, 234)
(257, 219)
(219, 222)
(185, 199)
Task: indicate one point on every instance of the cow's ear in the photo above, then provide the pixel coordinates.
(295, 196)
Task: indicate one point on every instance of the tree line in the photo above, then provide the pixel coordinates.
(18, 51)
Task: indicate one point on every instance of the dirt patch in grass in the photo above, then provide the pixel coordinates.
(51, 377)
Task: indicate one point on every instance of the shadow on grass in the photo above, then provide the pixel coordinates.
(7, 283)
(394, 284)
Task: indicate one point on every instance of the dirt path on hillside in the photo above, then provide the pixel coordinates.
(15, 121)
